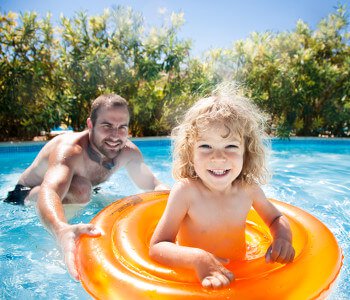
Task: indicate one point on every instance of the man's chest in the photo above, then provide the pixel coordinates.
(95, 173)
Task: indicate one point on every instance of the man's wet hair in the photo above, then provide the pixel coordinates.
(108, 101)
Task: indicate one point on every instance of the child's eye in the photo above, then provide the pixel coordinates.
(204, 146)
(231, 146)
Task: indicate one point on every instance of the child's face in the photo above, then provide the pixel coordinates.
(217, 159)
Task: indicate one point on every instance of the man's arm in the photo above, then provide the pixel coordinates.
(50, 209)
(54, 187)
(140, 172)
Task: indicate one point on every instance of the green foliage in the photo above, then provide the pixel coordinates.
(50, 75)
(300, 78)
(27, 82)
(114, 53)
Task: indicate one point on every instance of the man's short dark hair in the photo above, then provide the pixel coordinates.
(108, 101)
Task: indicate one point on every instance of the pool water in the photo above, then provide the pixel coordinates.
(312, 174)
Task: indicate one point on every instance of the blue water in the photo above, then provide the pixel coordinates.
(310, 173)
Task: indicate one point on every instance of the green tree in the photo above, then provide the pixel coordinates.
(50, 75)
(27, 68)
(301, 78)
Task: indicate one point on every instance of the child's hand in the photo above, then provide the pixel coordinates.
(280, 251)
(211, 272)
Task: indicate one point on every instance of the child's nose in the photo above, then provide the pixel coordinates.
(218, 155)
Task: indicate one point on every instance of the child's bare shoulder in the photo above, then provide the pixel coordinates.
(254, 192)
(252, 189)
(181, 194)
(187, 186)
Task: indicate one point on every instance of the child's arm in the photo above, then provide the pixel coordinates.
(281, 249)
(209, 269)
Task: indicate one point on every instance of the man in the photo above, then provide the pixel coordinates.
(66, 169)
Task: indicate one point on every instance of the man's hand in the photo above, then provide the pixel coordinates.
(211, 272)
(67, 237)
(280, 251)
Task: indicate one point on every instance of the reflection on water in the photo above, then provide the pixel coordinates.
(309, 173)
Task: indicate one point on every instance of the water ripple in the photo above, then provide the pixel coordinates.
(311, 174)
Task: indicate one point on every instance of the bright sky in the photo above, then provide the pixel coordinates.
(208, 23)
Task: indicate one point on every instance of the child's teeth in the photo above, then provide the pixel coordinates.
(219, 172)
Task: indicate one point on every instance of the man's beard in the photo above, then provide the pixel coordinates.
(104, 149)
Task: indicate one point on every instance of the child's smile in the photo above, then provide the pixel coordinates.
(219, 173)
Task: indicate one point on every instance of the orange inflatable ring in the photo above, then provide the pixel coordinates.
(117, 266)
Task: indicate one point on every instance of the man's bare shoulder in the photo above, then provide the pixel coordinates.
(131, 151)
(130, 146)
(67, 146)
(65, 149)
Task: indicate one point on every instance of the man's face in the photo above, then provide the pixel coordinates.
(110, 132)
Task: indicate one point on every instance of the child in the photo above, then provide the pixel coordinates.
(219, 160)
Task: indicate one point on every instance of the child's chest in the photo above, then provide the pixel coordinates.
(219, 214)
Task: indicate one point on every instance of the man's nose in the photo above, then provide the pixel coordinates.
(115, 132)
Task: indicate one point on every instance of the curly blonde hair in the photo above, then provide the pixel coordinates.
(240, 116)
